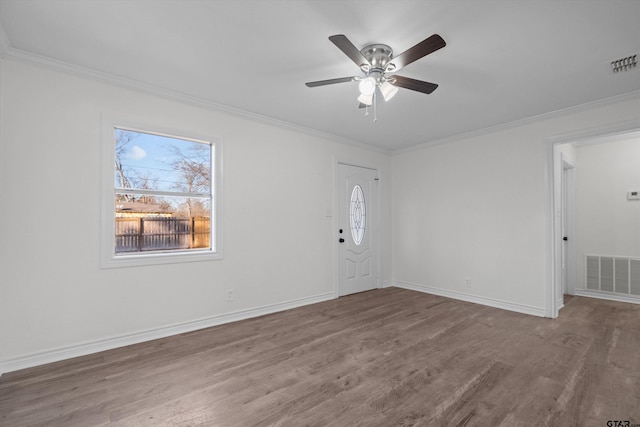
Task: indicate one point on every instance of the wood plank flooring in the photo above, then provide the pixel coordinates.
(389, 357)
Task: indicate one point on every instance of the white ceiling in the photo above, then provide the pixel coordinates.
(504, 61)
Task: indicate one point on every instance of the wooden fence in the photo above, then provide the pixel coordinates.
(157, 234)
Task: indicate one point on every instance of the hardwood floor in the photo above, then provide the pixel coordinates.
(388, 357)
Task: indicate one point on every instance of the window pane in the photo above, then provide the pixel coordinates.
(357, 215)
(145, 161)
(146, 223)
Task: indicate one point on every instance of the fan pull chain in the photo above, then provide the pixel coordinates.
(375, 109)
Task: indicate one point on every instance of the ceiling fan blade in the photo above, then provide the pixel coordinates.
(331, 81)
(345, 45)
(413, 84)
(424, 48)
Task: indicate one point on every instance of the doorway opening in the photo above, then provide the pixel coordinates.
(594, 219)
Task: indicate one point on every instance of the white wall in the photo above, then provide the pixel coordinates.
(478, 208)
(473, 208)
(278, 191)
(606, 222)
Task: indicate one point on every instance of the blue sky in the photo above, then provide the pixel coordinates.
(152, 156)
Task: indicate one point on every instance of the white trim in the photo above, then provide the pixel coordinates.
(551, 310)
(107, 257)
(569, 214)
(555, 299)
(598, 134)
(607, 296)
(528, 120)
(90, 347)
(122, 190)
(491, 302)
(628, 133)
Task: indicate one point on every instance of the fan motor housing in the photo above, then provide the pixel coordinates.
(378, 55)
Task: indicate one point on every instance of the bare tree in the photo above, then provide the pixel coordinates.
(194, 169)
(146, 182)
(123, 138)
(128, 177)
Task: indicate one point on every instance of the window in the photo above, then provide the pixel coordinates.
(357, 215)
(160, 196)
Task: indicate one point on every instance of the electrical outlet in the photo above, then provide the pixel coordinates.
(467, 282)
(229, 295)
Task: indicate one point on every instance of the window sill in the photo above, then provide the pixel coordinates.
(137, 260)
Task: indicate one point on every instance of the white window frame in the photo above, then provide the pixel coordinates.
(109, 259)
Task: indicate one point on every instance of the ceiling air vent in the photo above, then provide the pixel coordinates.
(624, 64)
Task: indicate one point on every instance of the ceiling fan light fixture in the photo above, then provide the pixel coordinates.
(388, 90)
(367, 86)
(366, 99)
(375, 60)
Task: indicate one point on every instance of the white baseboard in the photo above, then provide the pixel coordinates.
(607, 296)
(491, 302)
(89, 347)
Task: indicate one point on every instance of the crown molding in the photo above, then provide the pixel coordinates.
(634, 95)
(17, 55)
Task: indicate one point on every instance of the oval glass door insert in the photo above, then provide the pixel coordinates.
(357, 215)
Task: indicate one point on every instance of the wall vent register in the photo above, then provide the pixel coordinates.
(620, 275)
(624, 64)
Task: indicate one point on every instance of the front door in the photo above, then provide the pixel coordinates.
(357, 210)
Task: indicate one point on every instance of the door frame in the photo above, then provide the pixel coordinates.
(375, 224)
(567, 227)
(561, 217)
(554, 255)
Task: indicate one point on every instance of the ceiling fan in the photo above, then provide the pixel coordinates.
(377, 63)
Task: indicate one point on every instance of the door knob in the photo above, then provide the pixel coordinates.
(341, 240)
(565, 238)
